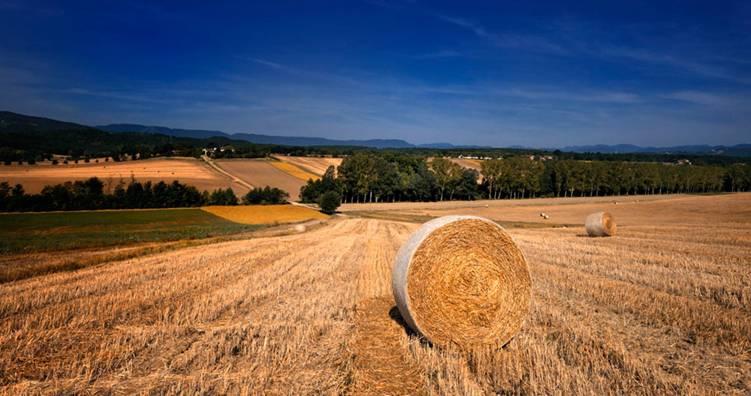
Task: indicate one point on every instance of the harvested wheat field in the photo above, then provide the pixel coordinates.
(662, 307)
(315, 165)
(186, 170)
(262, 173)
(475, 164)
(294, 170)
(265, 214)
(670, 209)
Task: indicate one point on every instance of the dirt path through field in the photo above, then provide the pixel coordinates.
(221, 170)
(383, 364)
(382, 361)
(261, 173)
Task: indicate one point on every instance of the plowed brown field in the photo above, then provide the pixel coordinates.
(664, 307)
(261, 173)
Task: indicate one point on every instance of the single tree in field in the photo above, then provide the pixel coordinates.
(311, 191)
(329, 201)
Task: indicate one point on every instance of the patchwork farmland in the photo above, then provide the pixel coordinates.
(262, 172)
(284, 172)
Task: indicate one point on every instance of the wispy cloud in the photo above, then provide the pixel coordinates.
(270, 64)
(13, 5)
(692, 66)
(505, 40)
(705, 68)
(475, 28)
(306, 73)
(571, 95)
(703, 98)
(277, 95)
(123, 95)
(441, 54)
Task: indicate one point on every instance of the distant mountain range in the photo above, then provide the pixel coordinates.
(278, 140)
(15, 122)
(10, 121)
(738, 150)
(259, 139)
(741, 150)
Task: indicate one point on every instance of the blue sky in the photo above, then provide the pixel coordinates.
(487, 73)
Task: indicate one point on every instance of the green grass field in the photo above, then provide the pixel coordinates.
(38, 232)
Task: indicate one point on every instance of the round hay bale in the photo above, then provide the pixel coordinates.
(600, 224)
(461, 280)
(300, 228)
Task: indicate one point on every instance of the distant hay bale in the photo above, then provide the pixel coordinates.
(461, 280)
(600, 224)
(300, 228)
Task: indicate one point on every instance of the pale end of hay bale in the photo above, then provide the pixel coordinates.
(461, 280)
(600, 224)
(300, 228)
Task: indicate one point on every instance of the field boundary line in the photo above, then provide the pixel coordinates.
(236, 179)
(303, 167)
(221, 170)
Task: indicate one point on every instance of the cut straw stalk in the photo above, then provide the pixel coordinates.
(600, 224)
(462, 280)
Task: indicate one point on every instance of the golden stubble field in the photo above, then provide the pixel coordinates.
(664, 307)
(186, 170)
(315, 165)
(475, 164)
(265, 214)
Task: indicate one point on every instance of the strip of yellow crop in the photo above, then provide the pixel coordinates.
(264, 214)
(294, 170)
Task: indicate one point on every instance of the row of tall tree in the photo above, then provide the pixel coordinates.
(370, 177)
(389, 177)
(90, 195)
(520, 177)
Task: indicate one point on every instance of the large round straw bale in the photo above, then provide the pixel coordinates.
(600, 224)
(462, 280)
